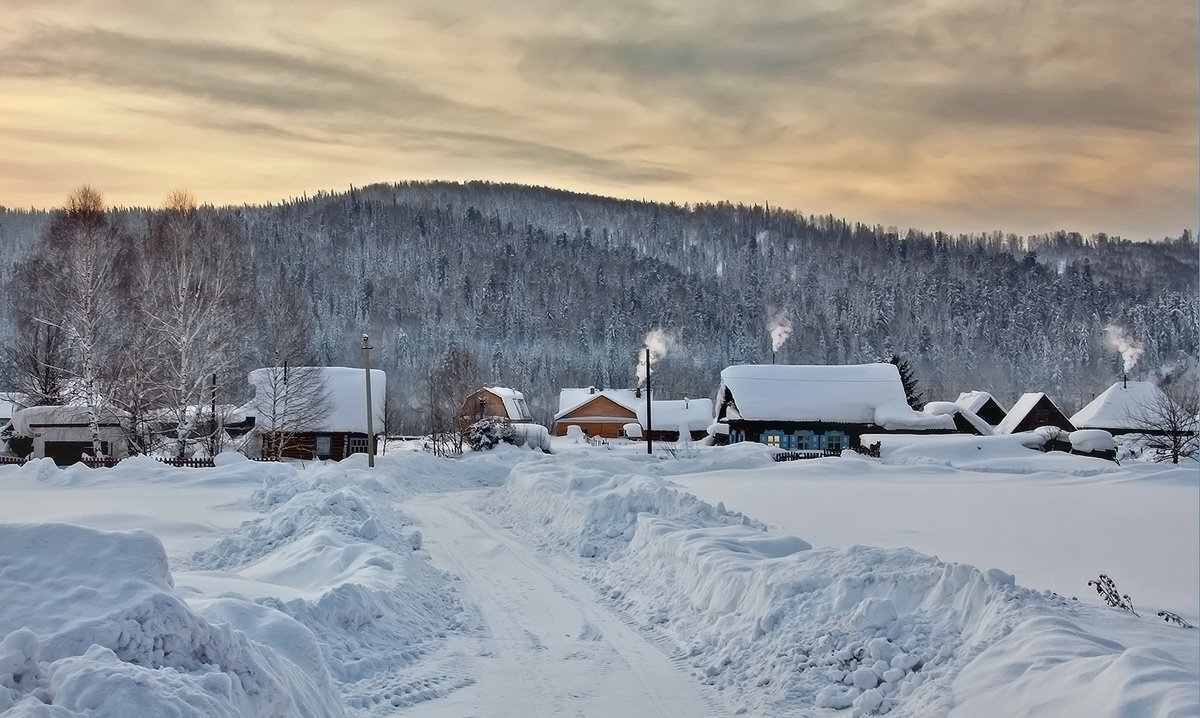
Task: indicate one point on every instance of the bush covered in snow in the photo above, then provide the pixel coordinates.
(487, 433)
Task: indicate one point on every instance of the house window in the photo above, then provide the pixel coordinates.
(324, 447)
(835, 442)
(522, 410)
(356, 445)
(805, 441)
(773, 439)
(737, 436)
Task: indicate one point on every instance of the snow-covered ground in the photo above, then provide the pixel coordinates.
(599, 582)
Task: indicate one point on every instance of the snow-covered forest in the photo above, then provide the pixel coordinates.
(541, 289)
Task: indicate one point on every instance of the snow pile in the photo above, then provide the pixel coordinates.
(320, 602)
(1092, 440)
(774, 623)
(91, 618)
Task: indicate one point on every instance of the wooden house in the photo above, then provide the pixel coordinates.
(604, 413)
(64, 433)
(1121, 408)
(1033, 410)
(598, 412)
(817, 408)
(494, 402)
(283, 426)
(983, 405)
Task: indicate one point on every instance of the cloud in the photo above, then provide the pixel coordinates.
(945, 115)
(220, 73)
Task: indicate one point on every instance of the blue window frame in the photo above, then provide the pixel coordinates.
(805, 441)
(836, 441)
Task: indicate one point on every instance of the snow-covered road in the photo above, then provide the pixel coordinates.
(549, 648)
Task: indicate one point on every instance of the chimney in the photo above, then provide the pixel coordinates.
(1125, 381)
(637, 392)
(591, 390)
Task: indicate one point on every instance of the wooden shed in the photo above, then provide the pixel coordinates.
(494, 402)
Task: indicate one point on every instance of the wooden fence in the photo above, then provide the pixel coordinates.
(109, 462)
(798, 455)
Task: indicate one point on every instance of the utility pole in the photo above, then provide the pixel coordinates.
(366, 347)
(649, 421)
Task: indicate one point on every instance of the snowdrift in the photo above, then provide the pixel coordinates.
(778, 624)
(87, 631)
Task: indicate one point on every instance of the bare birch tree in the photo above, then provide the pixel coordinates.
(71, 284)
(195, 306)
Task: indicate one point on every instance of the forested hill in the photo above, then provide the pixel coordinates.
(541, 289)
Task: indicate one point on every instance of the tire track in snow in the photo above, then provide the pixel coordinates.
(553, 648)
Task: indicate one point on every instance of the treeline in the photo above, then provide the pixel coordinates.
(540, 289)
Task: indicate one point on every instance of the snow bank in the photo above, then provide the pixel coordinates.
(91, 620)
(776, 624)
(320, 603)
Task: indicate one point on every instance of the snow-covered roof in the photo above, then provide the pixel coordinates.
(848, 394)
(1018, 411)
(514, 402)
(348, 396)
(950, 408)
(572, 398)
(1118, 406)
(669, 415)
(23, 420)
(973, 401)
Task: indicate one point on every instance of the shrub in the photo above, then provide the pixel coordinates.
(486, 433)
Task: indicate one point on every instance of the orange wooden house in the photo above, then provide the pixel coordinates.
(598, 412)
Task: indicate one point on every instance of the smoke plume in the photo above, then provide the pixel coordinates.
(1129, 349)
(658, 342)
(780, 327)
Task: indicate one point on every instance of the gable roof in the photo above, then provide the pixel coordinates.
(1026, 405)
(845, 394)
(1118, 406)
(666, 414)
(571, 399)
(974, 401)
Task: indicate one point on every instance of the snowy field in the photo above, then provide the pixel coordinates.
(947, 579)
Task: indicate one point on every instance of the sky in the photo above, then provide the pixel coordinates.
(953, 115)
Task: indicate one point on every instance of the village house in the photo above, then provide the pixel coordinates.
(494, 402)
(605, 413)
(983, 405)
(817, 408)
(1122, 408)
(298, 421)
(1033, 410)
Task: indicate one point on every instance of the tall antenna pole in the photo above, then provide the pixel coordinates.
(649, 421)
(366, 347)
